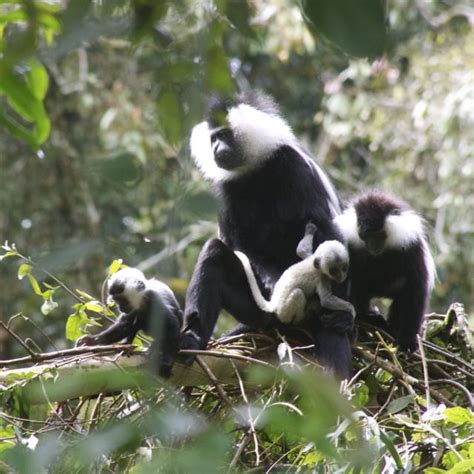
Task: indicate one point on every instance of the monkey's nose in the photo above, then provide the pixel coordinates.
(116, 288)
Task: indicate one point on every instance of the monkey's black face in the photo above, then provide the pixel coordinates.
(226, 151)
(374, 240)
(338, 272)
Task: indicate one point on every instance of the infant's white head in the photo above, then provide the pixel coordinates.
(332, 259)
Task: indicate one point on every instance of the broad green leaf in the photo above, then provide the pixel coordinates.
(462, 467)
(434, 470)
(75, 325)
(16, 130)
(24, 270)
(170, 115)
(218, 72)
(458, 415)
(25, 104)
(356, 26)
(123, 169)
(399, 404)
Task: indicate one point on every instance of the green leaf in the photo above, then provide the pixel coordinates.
(35, 285)
(218, 72)
(84, 295)
(434, 470)
(361, 396)
(25, 104)
(357, 27)
(94, 306)
(7, 254)
(75, 325)
(463, 467)
(24, 270)
(170, 115)
(38, 79)
(115, 266)
(399, 404)
(123, 169)
(458, 415)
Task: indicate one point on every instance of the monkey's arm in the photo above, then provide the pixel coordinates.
(305, 247)
(126, 326)
(330, 301)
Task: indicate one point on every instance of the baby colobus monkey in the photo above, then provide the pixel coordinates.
(313, 274)
(147, 305)
(390, 258)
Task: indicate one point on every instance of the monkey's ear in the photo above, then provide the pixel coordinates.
(317, 263)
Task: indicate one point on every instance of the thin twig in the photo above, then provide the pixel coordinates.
(67, 352)
(425, 371)
(19, 339)
(217, 384)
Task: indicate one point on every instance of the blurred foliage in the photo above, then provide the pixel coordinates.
(97, 98)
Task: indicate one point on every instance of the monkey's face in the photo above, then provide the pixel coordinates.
(374, 239)
(227, 153)
(333, 267)
(338, 271)
(126, 289)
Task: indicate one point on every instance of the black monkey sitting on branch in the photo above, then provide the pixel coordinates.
(269, 188)
(389, 258)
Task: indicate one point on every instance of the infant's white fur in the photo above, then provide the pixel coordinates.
(302, 280)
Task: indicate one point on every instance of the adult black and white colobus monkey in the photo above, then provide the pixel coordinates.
(269, 189)
(389, 257)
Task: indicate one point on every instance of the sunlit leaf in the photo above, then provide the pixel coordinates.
(94, 306)
(35, 285)
(75, 325)
(115, 266)
(23, 270)
(458, 415)
(38, 79)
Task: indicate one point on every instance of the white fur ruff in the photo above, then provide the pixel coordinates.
(347, 224)
(258, 133)
(406, 229)
(203, 156)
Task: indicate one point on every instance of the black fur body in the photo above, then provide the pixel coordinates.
(398, 265)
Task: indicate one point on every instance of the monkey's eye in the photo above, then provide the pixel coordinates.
(221, 133)
(344, 268)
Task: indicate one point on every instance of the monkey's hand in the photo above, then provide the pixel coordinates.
(85, 341)
(305, 246)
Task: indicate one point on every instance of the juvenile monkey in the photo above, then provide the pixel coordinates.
(313, 274)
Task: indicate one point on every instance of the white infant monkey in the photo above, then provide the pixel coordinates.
(330, 261)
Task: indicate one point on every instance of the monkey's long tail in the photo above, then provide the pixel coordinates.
(257, 295)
